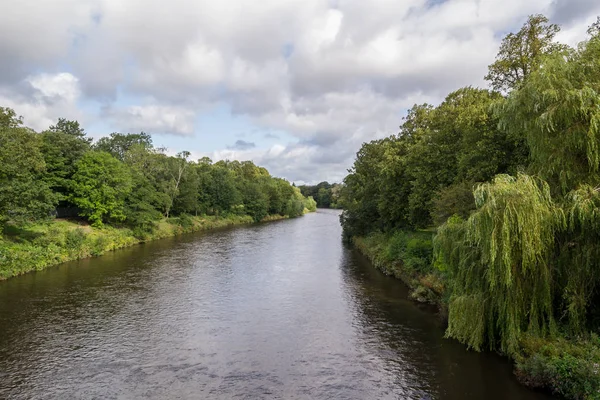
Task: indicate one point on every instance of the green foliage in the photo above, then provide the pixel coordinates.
(556, 110)
(310, 204)
(24, 196)
(9, 119)
(499, 262)
(71, 128)
(517, 259)
(570, 369)
(119, 144)
(185, 221)
(61, 150)
(456, 199)
(75, 239)
(101, 184)
(521, 53)
(325, 194)
(403, 181)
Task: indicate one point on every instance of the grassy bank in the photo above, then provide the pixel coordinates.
(40, 246)
(565, 366)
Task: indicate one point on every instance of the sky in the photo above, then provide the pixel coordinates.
(294, 85)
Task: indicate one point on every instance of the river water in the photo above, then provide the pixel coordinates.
(276, 311)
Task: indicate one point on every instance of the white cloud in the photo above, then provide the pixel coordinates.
(63, 86)
(43, 98)
(152, 119)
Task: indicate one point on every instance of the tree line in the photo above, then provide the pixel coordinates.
(510, 177)
(123, 179)
(325, 194)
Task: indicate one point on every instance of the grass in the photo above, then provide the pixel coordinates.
(569, 368)
(35, 247)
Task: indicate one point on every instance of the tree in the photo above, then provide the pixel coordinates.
(594, 29)
(101, 184)
(361, 191)
(118, 144)
(141, 205)
(255, 199)
(453, 200)
(222, 190)
(176, 168)
(9, 119)
(70, 128)
(62, 146)
(556, 111)
(24, 196)
(521, 53)
(500, 264)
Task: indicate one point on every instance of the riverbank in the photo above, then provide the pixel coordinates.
(41, 246)
(565, 366)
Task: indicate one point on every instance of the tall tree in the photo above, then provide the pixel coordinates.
(62, 145)
(520, 53)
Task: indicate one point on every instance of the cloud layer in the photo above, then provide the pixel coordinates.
(328, 74)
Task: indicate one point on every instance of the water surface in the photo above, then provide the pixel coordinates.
(276, 311)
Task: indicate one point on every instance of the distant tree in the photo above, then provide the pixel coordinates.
(118, 144)
(222, 190)
(175, 167)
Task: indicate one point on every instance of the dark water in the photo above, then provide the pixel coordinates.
(275, 311)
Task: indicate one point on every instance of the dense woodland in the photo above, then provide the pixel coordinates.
(510, 179)
(325, 194)
(124, 180)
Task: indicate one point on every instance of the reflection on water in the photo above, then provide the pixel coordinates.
(279, 311)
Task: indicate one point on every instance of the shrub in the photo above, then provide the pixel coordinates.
(75, 239)
(185, 221)
(100, 246)
(568, 368)
(418, 254)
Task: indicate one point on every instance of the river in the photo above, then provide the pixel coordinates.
(280, 310)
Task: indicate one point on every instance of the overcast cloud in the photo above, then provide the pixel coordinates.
(311, 79)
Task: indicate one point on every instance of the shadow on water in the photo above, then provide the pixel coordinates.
(276, 311)
(411, 337)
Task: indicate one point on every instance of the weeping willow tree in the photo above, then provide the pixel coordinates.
(500, 261)
(557, 110)
(579, 257)
(528, 259)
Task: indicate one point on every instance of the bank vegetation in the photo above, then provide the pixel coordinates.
(488, 204)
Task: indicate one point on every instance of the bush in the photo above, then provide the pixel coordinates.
(568, 368)
(75, 239)
(413, 249)
(185, 221)
(100, 246)
(418, 254)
